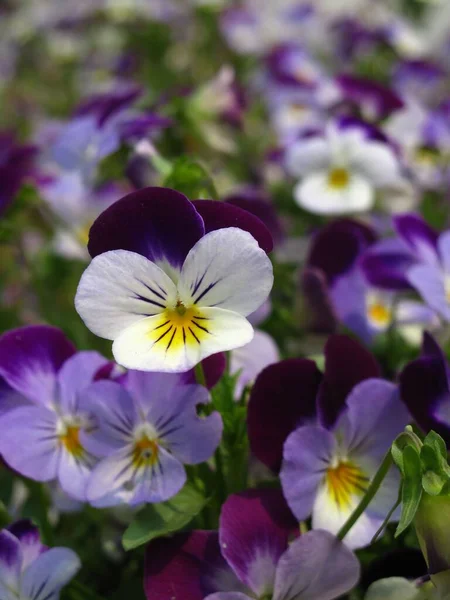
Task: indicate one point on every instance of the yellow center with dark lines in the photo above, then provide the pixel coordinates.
(70, 439)
(179, 327)
(344, 481)
(145, 452)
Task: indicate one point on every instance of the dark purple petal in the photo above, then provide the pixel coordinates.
(367, 92)
(336, 247)
(256, 203)
(430, 347)
(283, 397)
(159, 223)
(16, 162)
(213, 369)
(30, 358)
(254, 531)
(418, 235)
(346, 364)
(10, 565)
(218, 215)
(141, 125)
(105, 105)
(174, 566)
(424, 388)
(321, 314)
(385, 269)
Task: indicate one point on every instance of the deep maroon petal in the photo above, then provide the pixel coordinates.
(217, 215)
(30, 358)
(283, 397)
(174, 567)
(213, 369)
(255, 528)
(423, 388)
(159, 223)
(346, 364)
(256, 203)
(321, 313)
(336, 247)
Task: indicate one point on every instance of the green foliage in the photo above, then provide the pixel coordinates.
(157, 520)
(411, 487)
(190, 178)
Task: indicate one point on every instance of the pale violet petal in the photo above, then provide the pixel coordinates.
(226, 269)
(45, 577)
(159, 344)
(118, 289)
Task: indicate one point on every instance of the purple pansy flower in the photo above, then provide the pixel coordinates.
(325, 431)
(374, 100)
(43, 440)
(30, 570)
(172, 281)
(425, 389)
(251, 557)
(15, 165)
(146, 431)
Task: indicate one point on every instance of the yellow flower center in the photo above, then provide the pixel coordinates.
(379, 314)
(70, 439)
(338, 178)
(344, 481)
(145, 452)
(178, 327)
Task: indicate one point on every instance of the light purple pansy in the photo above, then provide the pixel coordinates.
(29, 569)
(326, 471)
(172, 281)
(146, 431)
(43, 439)
(252, 557)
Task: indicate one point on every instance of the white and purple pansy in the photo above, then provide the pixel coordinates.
(333, 433)
(341, 169)
(28, 569)
(171, 281)
(147, 429)
(42, 434)
(255, 555)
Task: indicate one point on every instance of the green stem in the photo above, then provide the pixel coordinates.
(84, 591)
(200, 374)
(368, 497)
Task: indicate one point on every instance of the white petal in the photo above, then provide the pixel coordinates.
(306, 156)
(331, 517)
(316, 195)
(226, 269)
(378, 163)
(161, 344)
(118, 289)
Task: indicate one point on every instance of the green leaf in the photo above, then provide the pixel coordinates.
(411, 487)
(156, 520)
(407, 438)
(190, 178)
(436, 471)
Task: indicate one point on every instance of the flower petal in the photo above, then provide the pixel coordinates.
(178, 348)
(316, 566)
(254, 531)
(346, 364)
(30, 540)
(316, 195)
(226, 269)
(308, 155)
(120, 288)
(419, 236)
(28, 442)
(10, 565)
(47, 575)
(219, 215)
(428, 280)
(378, 163)
(392, 588)
(30, 357)
(74, 472)
(159, 223)
(308, 453)
(283, 397)
(75, 375)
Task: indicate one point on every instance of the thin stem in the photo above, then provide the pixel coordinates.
(200, 374)
(386, 520)
(368, 497)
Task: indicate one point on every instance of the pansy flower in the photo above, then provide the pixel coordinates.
(328, 433)
(425, 389)
(254, 555)
(146, 431)
(43, 440)
(341, 170)
(172, 281)
(28, 569)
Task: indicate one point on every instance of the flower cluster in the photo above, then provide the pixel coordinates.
(225, 300)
